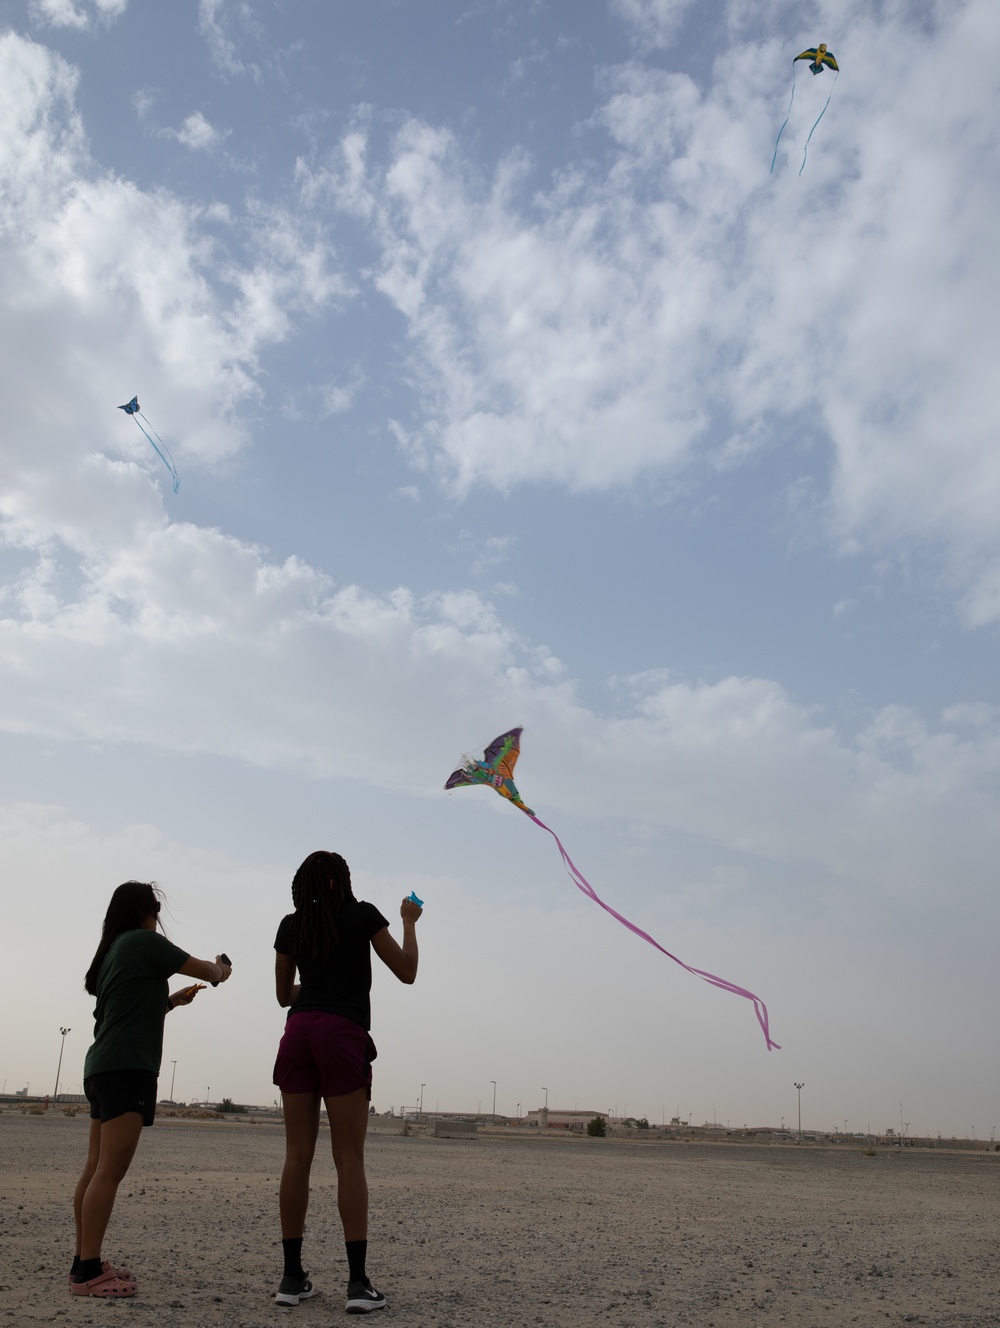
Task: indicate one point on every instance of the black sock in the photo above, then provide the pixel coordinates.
(76, 1265)
(356, 1253)
(293, 1256)
(87, 1270)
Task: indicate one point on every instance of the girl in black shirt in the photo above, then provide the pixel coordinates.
(326, 1054)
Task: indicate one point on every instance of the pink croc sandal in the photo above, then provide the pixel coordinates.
(109, 1286)
(124, 1273)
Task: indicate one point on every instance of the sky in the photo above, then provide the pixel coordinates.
(507, 384)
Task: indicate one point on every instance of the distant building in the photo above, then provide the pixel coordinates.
(555, 1119)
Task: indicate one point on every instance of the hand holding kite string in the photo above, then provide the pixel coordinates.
(163, 452)
(497, 770)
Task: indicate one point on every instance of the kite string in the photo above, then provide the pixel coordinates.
(582, 884)
(782, 129)
(167, 459)
(805, 151)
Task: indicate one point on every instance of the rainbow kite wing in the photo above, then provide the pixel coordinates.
(497, 769)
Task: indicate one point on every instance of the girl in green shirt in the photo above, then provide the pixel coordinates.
(129, 978)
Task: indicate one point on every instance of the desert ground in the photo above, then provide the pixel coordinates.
(519, 1229)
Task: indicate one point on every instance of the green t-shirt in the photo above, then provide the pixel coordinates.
(132, 1003)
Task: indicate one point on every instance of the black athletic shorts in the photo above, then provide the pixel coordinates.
(114, 1092)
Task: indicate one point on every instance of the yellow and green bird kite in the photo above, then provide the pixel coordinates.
(820, 59)
(819, 56)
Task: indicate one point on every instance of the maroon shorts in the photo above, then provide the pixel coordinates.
(324, 1053)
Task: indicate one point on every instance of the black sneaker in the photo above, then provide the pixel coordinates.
(362, 1297)
(294, 1289)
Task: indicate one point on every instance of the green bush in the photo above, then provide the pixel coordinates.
(596, 1128)
(227, 1104)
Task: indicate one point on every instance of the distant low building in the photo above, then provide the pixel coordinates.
(555, 1119)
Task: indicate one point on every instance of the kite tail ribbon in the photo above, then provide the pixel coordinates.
(782, 129)
(819, 117)
(581, 883)
(163, 451)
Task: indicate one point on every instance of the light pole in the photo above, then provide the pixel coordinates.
(63, 1031)
(494, 1083)
(422, 1087)
(546, 1092)
(173, 1073)
(799, 1088)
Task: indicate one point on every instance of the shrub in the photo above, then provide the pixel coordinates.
(228, 1105)
(596, 1128)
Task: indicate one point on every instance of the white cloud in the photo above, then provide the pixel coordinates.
(215, 19)
(107, 290)
(652, 23)
(123, 626)
(66, 14)
(174, 635)
(198, 134)
(634, 317)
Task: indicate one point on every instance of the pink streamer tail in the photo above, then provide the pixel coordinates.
(581, 883)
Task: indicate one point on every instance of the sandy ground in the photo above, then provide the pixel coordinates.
(562, 1232)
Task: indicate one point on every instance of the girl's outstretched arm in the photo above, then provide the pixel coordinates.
(205, 971)
(401, 960)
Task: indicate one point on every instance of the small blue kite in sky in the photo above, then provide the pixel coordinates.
(159, 446)
(820, 58)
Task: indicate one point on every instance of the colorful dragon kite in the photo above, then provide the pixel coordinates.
(163, 452)
(496, 770)
(820, 59)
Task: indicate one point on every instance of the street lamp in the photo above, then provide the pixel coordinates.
(173, 1072)
(799, 1088)
(62, 1044)
(546, 1092)
(494, 1083)
(422, 1087)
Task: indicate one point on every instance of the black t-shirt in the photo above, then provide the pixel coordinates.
(341, 983)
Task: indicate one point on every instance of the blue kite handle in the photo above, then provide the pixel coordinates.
(419, 902)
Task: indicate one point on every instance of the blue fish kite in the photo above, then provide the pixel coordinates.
(820, 58)
(158, 446)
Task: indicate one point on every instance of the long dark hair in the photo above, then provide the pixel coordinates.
(131, 904)
(320, 888)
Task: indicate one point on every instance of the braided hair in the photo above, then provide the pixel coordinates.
(320, 888)
(131, 904)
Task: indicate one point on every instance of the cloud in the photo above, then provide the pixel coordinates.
(107, 289)
(215, 19)
(171, 635)
(66, 14)
(197, 134)
(651, 23)
(664, 295)
(120, 625)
